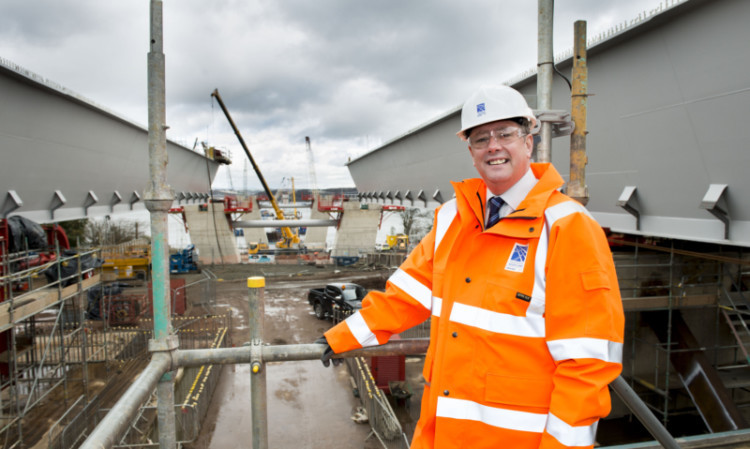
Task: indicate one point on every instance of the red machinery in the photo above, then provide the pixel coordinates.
(18, 261)
(233, 204)
(124, 309)
(387, 369)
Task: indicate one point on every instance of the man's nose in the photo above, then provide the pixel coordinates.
(494, 143)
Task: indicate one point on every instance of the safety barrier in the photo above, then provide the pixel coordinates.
(257, 354)
(68, 432)
(126, 350)
(377, 408)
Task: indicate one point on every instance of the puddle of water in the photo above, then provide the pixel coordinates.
(234, 423)
(310, 406)
(303, 397)
(281, 313)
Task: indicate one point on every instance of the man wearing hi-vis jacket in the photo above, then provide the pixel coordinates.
(519, 284)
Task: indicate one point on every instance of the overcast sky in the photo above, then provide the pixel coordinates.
(351, 74)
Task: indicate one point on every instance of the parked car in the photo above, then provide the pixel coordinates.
(345, 296)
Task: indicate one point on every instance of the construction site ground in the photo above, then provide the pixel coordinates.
(309, 406)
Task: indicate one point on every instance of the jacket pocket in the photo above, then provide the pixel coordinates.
(518, 391)
(593, 280)
(505, 299)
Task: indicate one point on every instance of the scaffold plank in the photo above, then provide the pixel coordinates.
(36, 301)
(663, 302)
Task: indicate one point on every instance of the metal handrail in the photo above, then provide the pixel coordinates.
(257, 354)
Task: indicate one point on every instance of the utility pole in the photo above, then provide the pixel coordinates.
(577, 188)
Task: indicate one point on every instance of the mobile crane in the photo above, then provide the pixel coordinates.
(289, 237)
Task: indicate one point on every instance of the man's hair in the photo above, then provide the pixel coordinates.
(523, 122)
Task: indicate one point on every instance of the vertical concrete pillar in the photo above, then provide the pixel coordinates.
(211, 234)
(358, 229)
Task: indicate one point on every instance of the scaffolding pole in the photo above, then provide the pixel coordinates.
(544, 77)
(158, 199)
(257, 355)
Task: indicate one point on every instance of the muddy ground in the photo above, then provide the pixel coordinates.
(309, 406)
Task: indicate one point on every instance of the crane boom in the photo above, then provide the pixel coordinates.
(289, 237)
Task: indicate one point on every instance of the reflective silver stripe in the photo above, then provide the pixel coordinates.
(437, 305)
(445, 217)
(539, 292)
(585, 348)
(528, 326)
(569, 435)
(496, 417)
(558, 211)
(361, 331)
(551, 215)
(412, 287)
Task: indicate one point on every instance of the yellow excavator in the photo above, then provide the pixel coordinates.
(289, 238)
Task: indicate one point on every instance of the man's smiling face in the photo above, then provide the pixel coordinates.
(501, 153)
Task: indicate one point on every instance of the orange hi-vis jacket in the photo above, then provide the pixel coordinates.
(527, 322)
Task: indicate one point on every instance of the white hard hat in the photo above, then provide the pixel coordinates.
(492, 103)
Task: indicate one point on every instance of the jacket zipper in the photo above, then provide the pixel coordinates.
(481, 207)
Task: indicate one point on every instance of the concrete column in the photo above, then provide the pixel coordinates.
(358, 229)
(316, 237)
(211, 234)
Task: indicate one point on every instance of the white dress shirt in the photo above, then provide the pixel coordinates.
(512, 196)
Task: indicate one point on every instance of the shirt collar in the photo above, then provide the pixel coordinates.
(517, 192)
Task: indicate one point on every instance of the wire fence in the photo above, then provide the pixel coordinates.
(376, 407)
(126, 349)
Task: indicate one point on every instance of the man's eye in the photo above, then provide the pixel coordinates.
(483, 139)
(504, 136)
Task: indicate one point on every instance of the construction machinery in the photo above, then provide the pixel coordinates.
(131, 260)
(289, 238)
(255, 247)
(399, 242)
(183, 261)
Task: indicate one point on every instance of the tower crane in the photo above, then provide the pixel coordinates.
(288, 236)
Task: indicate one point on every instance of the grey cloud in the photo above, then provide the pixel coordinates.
(350, 74)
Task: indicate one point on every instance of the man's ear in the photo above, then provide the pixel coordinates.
(529, 145)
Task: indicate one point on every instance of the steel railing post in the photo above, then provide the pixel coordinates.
(256, 312)
(642, 412)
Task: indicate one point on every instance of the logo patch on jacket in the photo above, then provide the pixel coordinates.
(523, 297)
(517, 258)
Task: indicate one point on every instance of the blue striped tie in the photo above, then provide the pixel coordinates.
(495, 204)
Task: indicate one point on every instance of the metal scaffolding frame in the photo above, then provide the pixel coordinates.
(166, 355)
(704, 285)
(58, 364)
(44, 339)
(257, 354)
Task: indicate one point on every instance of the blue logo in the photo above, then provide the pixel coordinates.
(517, 258)
(519, 253)
(480, 110)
